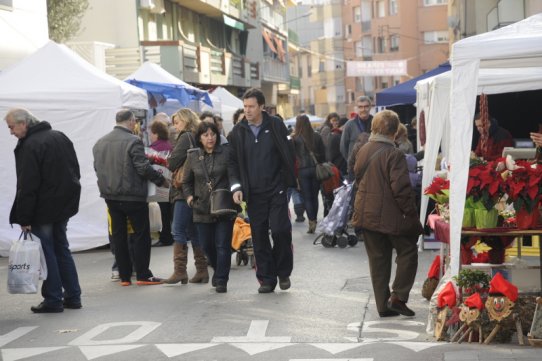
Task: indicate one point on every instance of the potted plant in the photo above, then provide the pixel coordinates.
(523, 189)
(470, 281)
(439, 191)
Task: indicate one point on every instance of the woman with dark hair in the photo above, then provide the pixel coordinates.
(160, 142)
(325, 130)
(308, 146)
(209, 164)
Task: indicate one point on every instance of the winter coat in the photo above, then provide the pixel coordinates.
(272, 140)
(122, 167)
(385, 201)
(185, 141)
(351, 131)
(48, 188)
(195, 182)
(161, 145)
(363, 138)
(302, 154)
(333, 151)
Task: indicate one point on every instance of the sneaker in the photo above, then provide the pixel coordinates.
(115, 276)
(125, 283)
(265, 288)
(150, 281)
(284, 283)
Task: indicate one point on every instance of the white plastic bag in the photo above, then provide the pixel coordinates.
(25, 265)
(155, 217)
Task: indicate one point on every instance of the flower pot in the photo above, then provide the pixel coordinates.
(468, 217)
(486, 219)
(526, 219)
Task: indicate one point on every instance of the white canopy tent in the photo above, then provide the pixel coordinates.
(433, 98)
(56, 85)
(515, 46)
(151, 72)
(229, 104)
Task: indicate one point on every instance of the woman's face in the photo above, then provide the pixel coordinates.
(208, 139)
(334, 122)
(154, 137)
(178, 123)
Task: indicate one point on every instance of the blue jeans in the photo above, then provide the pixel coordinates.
(310, 187)
(183, 228)
(61, 271)
(216, 240)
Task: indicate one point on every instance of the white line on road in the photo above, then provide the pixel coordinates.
(14, 354)
(256, 333)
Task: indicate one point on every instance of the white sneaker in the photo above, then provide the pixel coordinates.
(115, 276)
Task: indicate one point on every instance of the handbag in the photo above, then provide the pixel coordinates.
(323, 170)
(221, 200)
(177, 176)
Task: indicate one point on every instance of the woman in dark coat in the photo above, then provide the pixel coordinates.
(308, 146)
(215, 233)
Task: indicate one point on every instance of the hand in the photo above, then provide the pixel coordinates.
(238, 197)
(189, 201)
(537, 139)
(26, 229)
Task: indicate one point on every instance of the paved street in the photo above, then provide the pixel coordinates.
(328, 314)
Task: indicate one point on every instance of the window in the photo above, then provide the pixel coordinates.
(434, 2)
(357, 14)
(6, 4)
(394, 43)
(380, 9)
(359, 49)
(347, 30)
(322, 65)
(430, 37)
(382, 45)
(394, 7)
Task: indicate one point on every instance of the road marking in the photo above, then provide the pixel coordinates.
(254, 348)
(86, 339)
(331, 359)
(14, 354)
(15, 334)
(418, 346)
(92, 352)
(176, 349)
(256, 333)
(335, 348)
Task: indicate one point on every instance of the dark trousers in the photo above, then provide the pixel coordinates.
(61, 271)
(379, 248)
(166, 212)
(138, 214)
(309, 187)
(216, 240)
(267, 211)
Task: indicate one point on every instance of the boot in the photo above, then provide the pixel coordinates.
(180, 252)
(299, 209)
(312, 227)
(202, 275)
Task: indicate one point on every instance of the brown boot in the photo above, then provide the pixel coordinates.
(202, 275)
(312, 226)
(180, 252)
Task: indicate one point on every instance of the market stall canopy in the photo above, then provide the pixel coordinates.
(405, 93)
(229, 104)
(58, 86)
(516, 45)
(312, 119)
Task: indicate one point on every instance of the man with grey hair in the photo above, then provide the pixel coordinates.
(48, 193)
(123, 171)
(361, 123)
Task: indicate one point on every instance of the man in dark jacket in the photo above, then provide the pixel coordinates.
(48, 192)
(261, 170)
(385, 208)
(123, 170)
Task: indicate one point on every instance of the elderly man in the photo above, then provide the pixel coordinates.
(361, 123)
(48, 192)
(123, 171)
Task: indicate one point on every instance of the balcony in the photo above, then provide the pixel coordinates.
(275, 71)
(217, 8)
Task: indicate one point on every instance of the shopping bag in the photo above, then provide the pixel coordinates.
(155, 217)
(24, 265)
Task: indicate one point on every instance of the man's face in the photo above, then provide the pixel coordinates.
(478, 124)
(253, 111)
(17, 129)
(363, 109)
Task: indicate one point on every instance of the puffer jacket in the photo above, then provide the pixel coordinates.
(48, 188)
(122, 167)
(384, 201)
(185, 141)
(195, 181)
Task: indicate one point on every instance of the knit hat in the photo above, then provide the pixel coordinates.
(474, 301)
(501, 286)
(447, 297)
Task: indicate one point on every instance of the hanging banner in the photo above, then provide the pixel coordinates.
(376, 68)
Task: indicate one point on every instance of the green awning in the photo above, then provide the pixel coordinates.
(233, 23)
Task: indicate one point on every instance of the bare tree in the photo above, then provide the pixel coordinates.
(64, 17)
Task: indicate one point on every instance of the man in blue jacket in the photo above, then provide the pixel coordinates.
(261, 171)
(48, 192)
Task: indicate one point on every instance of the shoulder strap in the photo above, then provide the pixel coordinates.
(366, 165)
(191, 139)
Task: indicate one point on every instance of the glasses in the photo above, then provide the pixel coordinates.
(364, 107)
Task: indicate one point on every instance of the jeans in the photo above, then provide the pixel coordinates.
(270, 210)
(216, 240)
(310, 187)
(138, 214)
(61, 271)
(183, 228)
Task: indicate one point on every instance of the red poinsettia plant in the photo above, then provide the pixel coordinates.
(158, 158)
(485, 184)
(523, 186)
(438, 190)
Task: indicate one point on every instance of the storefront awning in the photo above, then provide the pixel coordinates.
(269, 41)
